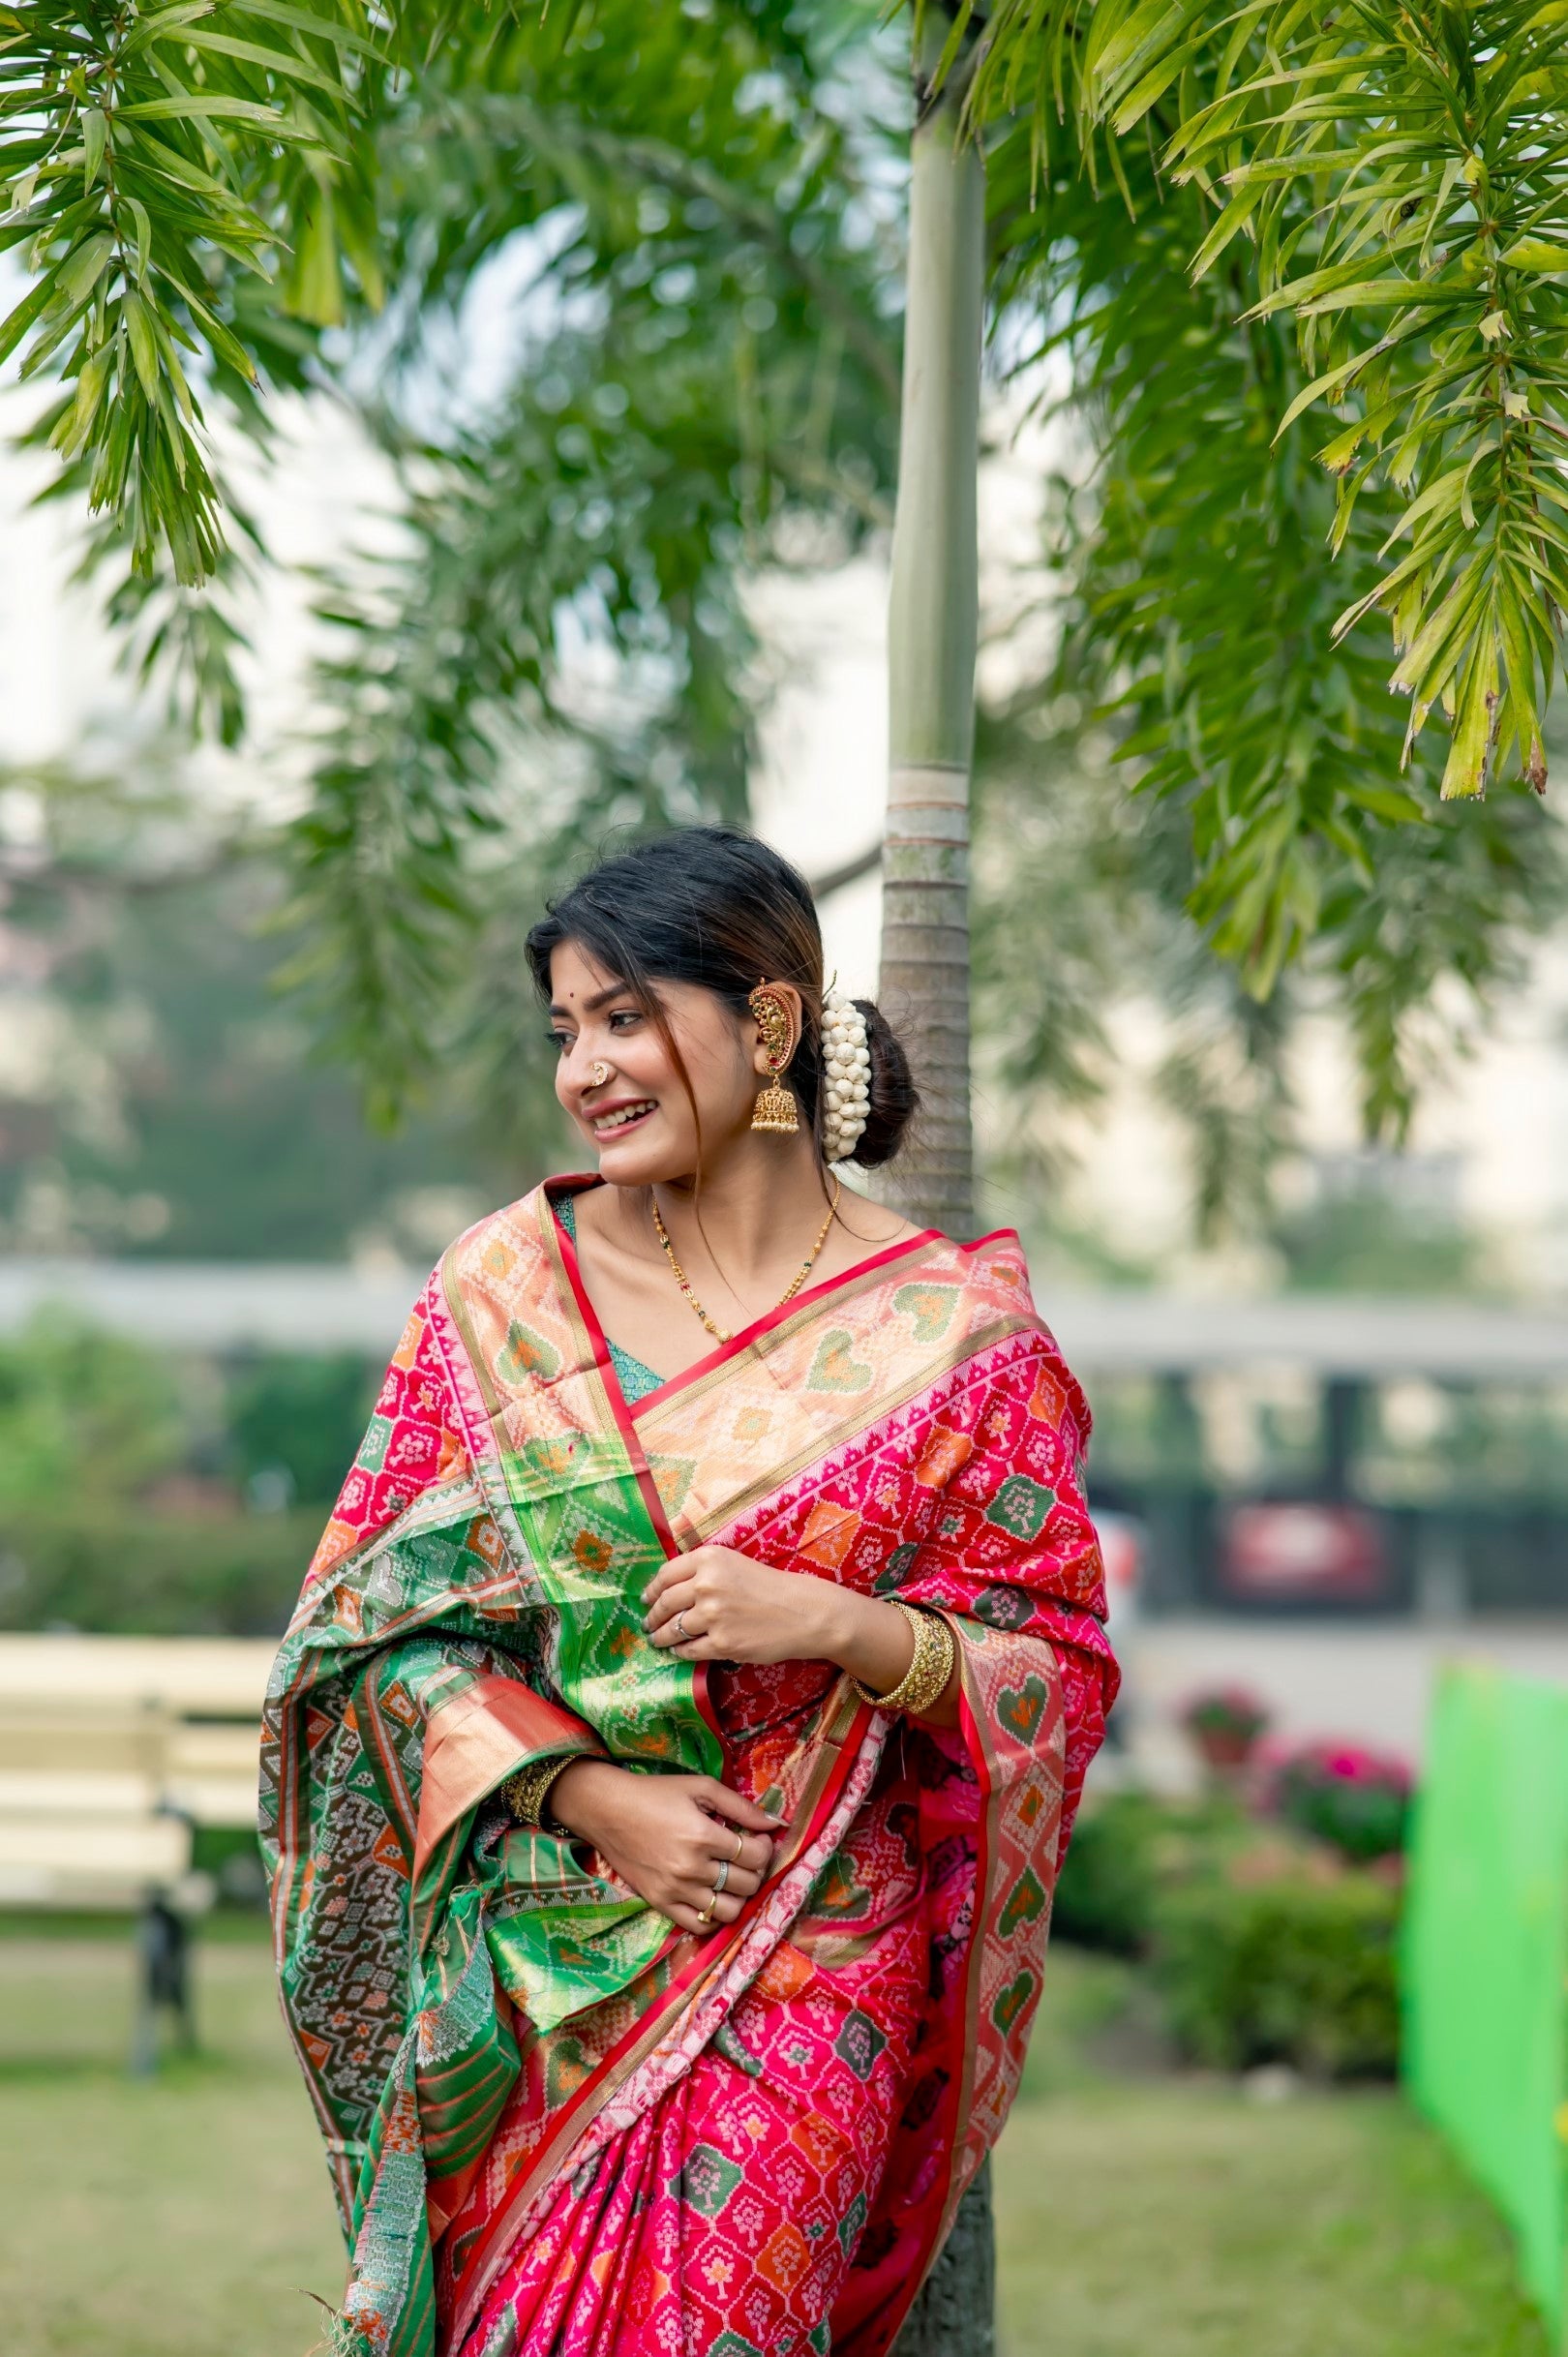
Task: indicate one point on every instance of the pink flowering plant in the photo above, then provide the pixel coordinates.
(1356, 1800)
(1226, 1713)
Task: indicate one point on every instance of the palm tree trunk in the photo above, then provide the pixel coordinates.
(932, 629)
(955, 2312)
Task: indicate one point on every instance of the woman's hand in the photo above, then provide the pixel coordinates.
(714, 1605)
(670, 1837)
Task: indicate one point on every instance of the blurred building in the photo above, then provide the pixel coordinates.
(1311, 1453)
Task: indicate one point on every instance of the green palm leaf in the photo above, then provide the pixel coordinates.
(1374, 159)
(152, 156)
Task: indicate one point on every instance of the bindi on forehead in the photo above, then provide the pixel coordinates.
(591, 1004)
(579, 985)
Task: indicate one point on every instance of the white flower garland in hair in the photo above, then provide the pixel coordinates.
(846, 1063)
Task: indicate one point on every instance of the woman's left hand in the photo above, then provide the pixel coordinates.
(714, 1605)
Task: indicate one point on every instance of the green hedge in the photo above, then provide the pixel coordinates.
(1265, 1947)
(124, 1572)
(1299, 1969)
(1130, 1847)
(1105, 1892)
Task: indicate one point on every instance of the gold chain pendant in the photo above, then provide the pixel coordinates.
(790, 1290)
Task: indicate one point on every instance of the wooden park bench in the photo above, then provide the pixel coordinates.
(112, 1752)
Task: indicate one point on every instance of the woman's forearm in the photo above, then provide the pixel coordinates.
(872, 1640)
(583, 1796)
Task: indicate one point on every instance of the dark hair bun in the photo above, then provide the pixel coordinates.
(895, 1098)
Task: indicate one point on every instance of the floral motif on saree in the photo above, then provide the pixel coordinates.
(553, 2120)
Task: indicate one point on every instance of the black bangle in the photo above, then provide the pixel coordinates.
(527, 1794)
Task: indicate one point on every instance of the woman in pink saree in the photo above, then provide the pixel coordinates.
(670, 1760)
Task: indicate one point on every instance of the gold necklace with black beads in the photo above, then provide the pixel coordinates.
(790, 1290)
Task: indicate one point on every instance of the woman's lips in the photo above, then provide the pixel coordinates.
(617, 1119)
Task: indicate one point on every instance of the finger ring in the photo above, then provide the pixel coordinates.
(739, 1845)
(706, 1916)
(722, 1876)
(680, 1628)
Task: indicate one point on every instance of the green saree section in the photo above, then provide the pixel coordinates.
(581, 1497)
(586, 1525)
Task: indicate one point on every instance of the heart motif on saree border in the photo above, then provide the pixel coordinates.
(524, 1353)
(930, 1306)
(1020, 1709)
(1024, 1902)
(835, 1368)
(1011, 2002)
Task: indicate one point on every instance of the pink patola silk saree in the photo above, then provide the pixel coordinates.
(555, 2123)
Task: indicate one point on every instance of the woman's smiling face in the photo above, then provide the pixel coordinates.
(639, 1118)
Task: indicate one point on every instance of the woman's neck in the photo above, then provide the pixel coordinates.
(750, 1211)
(738, 1242)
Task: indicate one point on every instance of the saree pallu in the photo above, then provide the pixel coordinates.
(554, 2124)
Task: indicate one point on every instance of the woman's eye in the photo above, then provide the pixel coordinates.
(558, 1042)
(623, 1015)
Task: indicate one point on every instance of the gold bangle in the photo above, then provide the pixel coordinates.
(925, 1680)
(527, 1792)
(943, 1654)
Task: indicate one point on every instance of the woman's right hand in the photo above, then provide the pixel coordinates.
(668, 1836)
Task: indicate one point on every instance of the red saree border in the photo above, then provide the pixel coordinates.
(814, 1296)
(943, 2200)
(482, 1734)
(986, 1845)
(973, 2118)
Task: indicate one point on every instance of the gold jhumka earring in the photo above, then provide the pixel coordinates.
(775, 1108)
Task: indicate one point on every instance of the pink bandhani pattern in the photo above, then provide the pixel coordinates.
(777, 2193)
(723, 2218)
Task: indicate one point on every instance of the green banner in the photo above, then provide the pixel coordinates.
(1486, 1955)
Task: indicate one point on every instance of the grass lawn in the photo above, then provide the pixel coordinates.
(170, 2217)
(1156, 2216)
(1198, 2224)
(1139, 2216)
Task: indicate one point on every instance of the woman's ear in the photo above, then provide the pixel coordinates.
(779, 1015)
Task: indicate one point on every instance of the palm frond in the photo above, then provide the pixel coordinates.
(152, 158)
(1396, 180)
(1190, 567)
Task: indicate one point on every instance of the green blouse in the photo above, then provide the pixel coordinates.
(635, 1379)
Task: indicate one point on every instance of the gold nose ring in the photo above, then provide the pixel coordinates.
(599, 1073)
